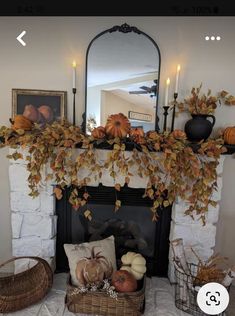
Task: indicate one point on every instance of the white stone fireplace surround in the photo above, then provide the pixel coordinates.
(34, 221)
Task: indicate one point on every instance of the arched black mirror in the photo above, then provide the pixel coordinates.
(122, 75)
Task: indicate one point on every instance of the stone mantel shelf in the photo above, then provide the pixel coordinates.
(130, 145)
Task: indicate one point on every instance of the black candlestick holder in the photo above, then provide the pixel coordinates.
(173, 113)
(166, 108)
(74, 110)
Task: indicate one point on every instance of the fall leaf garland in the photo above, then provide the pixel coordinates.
(176, 171)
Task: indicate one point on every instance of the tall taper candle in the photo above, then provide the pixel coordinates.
(167, 91)
(177, 79)
(74, 74)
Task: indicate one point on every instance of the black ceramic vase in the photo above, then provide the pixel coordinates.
(199, 127)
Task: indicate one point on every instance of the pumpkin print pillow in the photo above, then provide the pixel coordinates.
(91, 262)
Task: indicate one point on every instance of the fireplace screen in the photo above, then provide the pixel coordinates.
(131, 226)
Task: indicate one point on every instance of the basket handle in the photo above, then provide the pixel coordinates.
(23, 257)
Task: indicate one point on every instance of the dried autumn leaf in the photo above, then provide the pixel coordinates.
(20, 131)
(150, 193)
(123, 147)
(86, 195)
(55, 135)
(117, 187)
(166, 203)
(118, 204)
(113, 174)
(213, 203)
(49, 177)
(223, 93)
(15, 156)
(83, 202)
(155, 204)
(58, 193)
(116, 147)
(88, 215)
(154, 217)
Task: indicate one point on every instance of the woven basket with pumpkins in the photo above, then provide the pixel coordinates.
(119, 293)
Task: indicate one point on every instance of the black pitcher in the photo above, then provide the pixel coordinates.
(199, 128)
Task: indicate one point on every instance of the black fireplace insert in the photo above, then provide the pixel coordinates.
(131, 226)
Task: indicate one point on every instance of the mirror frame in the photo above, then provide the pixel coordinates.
(124, 28)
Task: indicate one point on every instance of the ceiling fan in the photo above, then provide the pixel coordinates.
(147, 90)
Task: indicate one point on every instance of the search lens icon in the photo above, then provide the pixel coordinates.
(213, 298)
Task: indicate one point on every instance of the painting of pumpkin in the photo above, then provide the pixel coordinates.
(38, 115)
(47, 113)
(93, 269)
(31, 113)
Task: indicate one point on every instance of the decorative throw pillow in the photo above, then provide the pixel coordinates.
(91, 262)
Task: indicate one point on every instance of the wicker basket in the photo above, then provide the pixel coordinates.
(99, 303)
(28, 287)
(184, 284)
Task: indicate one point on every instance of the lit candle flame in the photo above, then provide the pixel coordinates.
(178, 68)
(168, 81)
(74, 64)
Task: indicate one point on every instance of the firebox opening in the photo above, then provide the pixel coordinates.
(131, 226)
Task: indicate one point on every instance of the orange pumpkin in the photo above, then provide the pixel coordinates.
(138, 135)
(98, 132)
(137, 132)
(229, 135)
(117, 125)
(21, 122)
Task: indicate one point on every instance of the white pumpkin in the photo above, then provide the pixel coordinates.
(128, 257)
(134, 263)
(137, 275)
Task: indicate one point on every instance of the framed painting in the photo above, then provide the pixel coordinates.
(40, 105)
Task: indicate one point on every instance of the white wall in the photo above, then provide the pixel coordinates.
(225, 233)
(52, 44)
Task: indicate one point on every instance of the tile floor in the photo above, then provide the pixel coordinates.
(159, 300)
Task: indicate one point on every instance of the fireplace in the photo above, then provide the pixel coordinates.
(35, 231)
(131, 226)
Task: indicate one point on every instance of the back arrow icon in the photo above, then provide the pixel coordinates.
(19, 38)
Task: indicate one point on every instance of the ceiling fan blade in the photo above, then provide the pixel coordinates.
(145, 73)
(138, 92)
(152, 89)
(145, 88)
